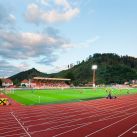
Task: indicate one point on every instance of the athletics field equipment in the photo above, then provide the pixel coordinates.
(4, 101)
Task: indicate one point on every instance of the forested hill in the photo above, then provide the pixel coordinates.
(112, 68)
(26, 75)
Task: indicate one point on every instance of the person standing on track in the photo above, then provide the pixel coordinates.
(109, 91)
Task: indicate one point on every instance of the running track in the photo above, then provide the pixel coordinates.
(97, 118)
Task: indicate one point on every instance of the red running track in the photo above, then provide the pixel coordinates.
(96, 118)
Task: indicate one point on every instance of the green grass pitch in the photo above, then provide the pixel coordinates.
(52, 96)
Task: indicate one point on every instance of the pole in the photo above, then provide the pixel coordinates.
(94, 77)
(94, 67)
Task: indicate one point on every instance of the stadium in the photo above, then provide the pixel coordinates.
(68, 68)
(49, 107)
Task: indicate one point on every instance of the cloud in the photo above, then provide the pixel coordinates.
(27, 45)
(6, 69)
(7, 20)
(45, 2)
(85, 44)
(61, 11)
(48, 60)
(63, 3)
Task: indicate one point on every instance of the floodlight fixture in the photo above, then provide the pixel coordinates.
(94, 67)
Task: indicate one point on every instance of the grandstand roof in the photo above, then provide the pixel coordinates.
(44, 78)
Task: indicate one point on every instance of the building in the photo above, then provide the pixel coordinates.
(43, 82)
(7, 83)
(25, 83)
(28, 83)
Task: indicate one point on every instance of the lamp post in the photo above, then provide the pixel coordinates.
(94, 67)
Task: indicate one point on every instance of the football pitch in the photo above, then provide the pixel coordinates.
(53, 96)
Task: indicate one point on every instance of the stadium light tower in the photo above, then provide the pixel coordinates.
(94, 67)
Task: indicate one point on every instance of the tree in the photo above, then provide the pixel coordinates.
(70, 75)
(0, 83)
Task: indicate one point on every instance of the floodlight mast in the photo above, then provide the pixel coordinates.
(94, 67)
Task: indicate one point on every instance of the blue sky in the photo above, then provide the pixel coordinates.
(50, 34)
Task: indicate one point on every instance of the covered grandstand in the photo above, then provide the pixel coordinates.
(43, 82)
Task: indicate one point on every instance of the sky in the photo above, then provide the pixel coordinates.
(50, 34)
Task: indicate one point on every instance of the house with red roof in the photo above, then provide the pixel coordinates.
(7, 82)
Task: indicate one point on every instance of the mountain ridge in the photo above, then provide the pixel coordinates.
(112, 68)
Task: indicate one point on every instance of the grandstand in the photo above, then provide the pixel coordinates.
(42, 82)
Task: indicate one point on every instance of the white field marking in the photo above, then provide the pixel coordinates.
(94, 112)
(3, 128)
(74, 120)
(124, 110)
(81, 113)
(72, 105)
(110, 125)
(50, 119)
(86, 125)
(53, 116)
(12, 135)
(120, 102)
(10, 131)
(74, 109)
(54, 121)
(70, 121)
(99, 119)
(83, 124)
(60, 107)
(49, 114)
(127, 130)
(63, 106)
(20, 124)
(60, 118)
(6, 122)
(41, 109)
(49, 110)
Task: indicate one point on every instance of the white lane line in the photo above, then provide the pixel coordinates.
(95, 131)
(109, 125)
(80, 124)
(12, 135)
(127, 130)
(58, 119)
(21, 124)
(54, 115)
(131, 100)
(10, 131)
(78, 119)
